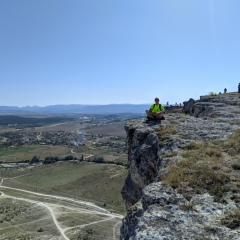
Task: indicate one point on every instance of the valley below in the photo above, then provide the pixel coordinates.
(30, 215)
(63, 180)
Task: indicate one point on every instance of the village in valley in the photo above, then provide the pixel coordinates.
(78, 138)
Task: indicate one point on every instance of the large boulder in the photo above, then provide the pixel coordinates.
(188, 106)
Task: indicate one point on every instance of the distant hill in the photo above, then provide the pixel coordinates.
(78, 108)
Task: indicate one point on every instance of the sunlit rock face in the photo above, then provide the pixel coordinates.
(156, 211)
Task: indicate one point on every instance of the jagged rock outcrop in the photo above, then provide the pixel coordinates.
(143, 160)
(213, 106)
(155, 210)
(188, 105)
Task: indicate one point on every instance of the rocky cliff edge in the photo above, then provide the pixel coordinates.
(184, 180)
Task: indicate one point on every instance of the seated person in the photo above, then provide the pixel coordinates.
(156, 111)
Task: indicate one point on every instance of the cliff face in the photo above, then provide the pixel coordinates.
(181, 182)
(143, 160)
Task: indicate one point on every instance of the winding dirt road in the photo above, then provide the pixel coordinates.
(51, 202)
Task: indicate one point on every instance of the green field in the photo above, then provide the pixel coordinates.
(99, 183)
(26, 153)
(15, 151)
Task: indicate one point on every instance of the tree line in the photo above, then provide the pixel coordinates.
(54, 159)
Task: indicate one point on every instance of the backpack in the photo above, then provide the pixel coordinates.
(160, 106)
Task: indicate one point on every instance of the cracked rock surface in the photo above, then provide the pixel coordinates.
(156, 211)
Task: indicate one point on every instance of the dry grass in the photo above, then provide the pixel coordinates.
(187, 207)
(232, 145)
(200, 171)
(169, 154)
(232, 220)
(164, 133)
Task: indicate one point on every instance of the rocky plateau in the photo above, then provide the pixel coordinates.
(184, 173)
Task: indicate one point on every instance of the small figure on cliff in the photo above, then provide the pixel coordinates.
(239, 90)
(225, 90)
(156, 111)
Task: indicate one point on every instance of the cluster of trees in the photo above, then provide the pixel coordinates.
(35, 159)
(54, 159)
(102, 161)
(49, 160)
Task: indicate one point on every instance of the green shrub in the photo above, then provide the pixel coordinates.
(212, 94)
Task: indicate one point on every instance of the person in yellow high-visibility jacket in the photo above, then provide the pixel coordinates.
(156, 111)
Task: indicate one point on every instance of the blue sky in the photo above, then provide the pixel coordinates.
(117, 51)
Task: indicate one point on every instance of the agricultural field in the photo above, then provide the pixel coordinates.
(83, 180)
(68, 127)
(116, 129)
(26, 153)
(65, 200)
(77, 199)
(80, 138)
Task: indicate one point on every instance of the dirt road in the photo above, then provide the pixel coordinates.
(53, 203)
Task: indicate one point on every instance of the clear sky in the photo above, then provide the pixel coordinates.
(117, 51)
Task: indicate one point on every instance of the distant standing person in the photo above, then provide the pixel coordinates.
(156, 111)
(239, 90)
(225, 90)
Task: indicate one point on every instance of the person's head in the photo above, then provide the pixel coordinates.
(156, 100)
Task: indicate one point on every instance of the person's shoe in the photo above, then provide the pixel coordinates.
(162, 118)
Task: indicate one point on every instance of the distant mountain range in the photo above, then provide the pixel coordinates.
(78, 108)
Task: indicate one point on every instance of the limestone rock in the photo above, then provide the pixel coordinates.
(156, 211)
(142, 159)
(188, 106)
(165, 214)
(205, 108)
